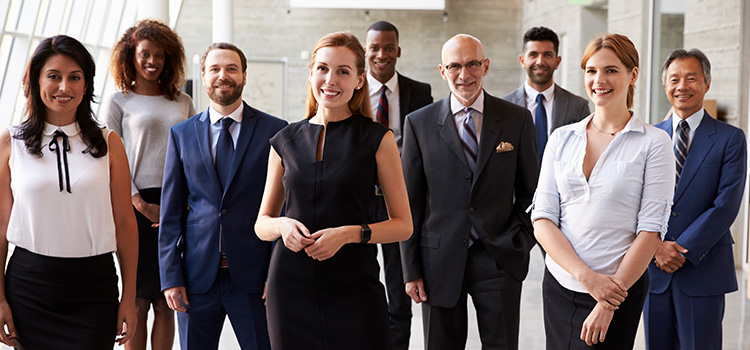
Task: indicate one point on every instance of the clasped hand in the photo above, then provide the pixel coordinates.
(320, 245)
(606, 290)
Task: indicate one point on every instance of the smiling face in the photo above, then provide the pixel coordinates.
(540, 61)
(465, 82)
(686, 86)
(149, 61)
(62, 87)
(607, 80)
(223, 78)
(382, 51)
(334, 77)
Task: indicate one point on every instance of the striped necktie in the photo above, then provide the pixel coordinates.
(382, 112)
(469, 139)
(680, 149)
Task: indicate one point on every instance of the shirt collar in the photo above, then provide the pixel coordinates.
(70, 129)
(478, 105)
(236, 115)
(635, 124)
(376, 85)
(694, 120)
(531, 92)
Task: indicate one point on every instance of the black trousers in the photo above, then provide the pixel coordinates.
(496, 297)
(399, 303)
(565, 311)
(63, 303)
(148, 284)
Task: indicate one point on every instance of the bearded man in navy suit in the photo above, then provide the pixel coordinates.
(211, 262)
(694, 267)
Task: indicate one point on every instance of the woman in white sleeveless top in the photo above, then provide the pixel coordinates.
(65, 205)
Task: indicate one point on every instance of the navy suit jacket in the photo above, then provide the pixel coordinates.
(706, 202)
(194, 209)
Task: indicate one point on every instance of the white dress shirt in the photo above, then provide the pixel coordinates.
(629, 190)
(549, 99)
(394, 102)
(234, 129)
(51, 222)
(694, 121)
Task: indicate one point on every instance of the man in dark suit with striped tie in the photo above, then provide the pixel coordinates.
(392, 96)
(471, 168)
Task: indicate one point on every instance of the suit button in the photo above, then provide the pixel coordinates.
(674, 213)
(465, 243)
(471, 209)
(224, 211)
(468, 178)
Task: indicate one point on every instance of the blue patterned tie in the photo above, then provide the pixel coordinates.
(471, 146)
(540, 120)
(224, 152)
(680, 148)
(469, 139)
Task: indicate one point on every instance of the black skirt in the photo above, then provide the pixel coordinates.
(147, 284)
(63, 303)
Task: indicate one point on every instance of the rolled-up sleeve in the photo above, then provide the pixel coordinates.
(658, 185)
(546, 204)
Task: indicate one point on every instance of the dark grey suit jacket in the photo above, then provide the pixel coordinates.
(446, 199)
(569, 108)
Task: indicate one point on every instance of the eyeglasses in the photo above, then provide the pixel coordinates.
(472, 66)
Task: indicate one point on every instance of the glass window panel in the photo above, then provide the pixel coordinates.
(18, 55)
(20, 108)
(5, 45)
(4, 10)
(41, 17)
(77, 18)
(56, 14)
(96, 21)
(110, 34)
(13, 13)
(27, 20)
(128, 18)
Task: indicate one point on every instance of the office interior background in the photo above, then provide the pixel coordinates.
(278, 36)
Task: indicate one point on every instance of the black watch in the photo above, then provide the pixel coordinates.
(366, 234)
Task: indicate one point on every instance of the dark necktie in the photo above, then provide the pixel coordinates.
(471, 146)
(680, 148)
(224, 152)
(540, 120)
(382, 112)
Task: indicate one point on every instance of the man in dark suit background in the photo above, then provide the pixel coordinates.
(471, 168)
(211, 262)
(694, 268)
(539, 58)
(392, 97)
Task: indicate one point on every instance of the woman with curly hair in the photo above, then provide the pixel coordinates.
(148, 65)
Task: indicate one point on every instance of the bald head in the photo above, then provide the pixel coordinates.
(464, 66)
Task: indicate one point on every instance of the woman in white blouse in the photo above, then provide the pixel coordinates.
(601, 208)
(65, 205)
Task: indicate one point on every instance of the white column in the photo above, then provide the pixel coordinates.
(222, 21)
(153, 9)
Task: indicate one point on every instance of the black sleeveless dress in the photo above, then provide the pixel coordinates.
(337, 303)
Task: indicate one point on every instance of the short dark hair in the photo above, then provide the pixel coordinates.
(224, 46)
(682, 54)
(383, 26)
(32, 127)
(541, 34)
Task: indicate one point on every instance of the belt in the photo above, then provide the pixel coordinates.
(223, 262)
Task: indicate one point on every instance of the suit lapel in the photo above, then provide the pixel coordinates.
(203, 135)
(448, 131)
(247, 129)
(490, 132)
(560, 108)
(404, 97)
(699, 148)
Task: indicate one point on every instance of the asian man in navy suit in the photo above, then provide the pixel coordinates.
(211, 262)
(694, 267)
